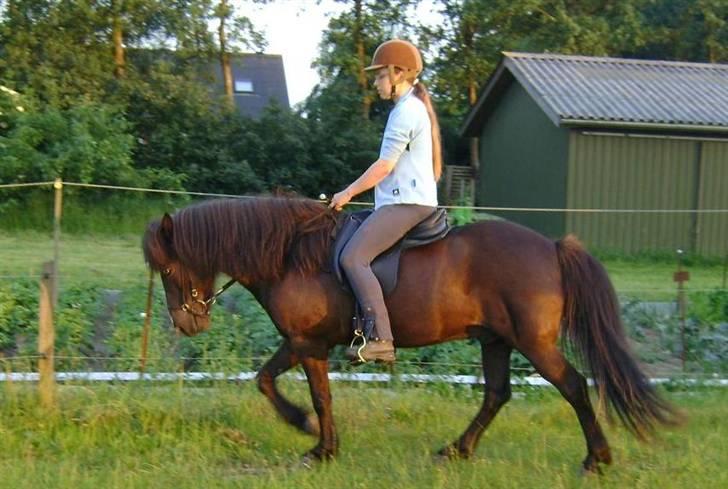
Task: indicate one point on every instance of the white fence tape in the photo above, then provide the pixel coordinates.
(535, 380)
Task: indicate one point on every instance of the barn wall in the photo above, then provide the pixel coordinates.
(523, 162)
(712, 229)
(618, 172)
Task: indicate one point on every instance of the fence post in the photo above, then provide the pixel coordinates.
(57, 212)
(147, 320)
(681, 276)
(46, 338)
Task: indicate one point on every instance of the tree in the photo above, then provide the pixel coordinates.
(115, 56)
(463, 47)
(232, 31)
(52, 50)
(468, 44)
(350, 40)
(688, 30)
(88, 143)
(131, 23)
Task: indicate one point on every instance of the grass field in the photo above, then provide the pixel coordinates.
(110, 261)
(142, 436)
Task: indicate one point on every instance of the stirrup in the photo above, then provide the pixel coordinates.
(359, 334)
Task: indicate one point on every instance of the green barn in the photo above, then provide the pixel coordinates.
(576, 132)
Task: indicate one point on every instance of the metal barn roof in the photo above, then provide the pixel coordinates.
(612, 92)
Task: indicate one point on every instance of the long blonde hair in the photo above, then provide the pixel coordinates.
(422, 94)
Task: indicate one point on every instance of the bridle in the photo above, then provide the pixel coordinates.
(206, 303)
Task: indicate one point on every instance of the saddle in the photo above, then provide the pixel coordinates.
(386, 265)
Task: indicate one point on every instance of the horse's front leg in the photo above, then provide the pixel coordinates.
(283, 360)
(314, 358)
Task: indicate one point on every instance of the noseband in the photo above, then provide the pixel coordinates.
(206, 304)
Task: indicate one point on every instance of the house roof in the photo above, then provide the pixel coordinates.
(267, 79)
(612, 92)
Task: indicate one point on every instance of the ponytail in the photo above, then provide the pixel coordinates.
(422, 94)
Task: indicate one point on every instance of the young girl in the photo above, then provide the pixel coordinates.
(405, 180)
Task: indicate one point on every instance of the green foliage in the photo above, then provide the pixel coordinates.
(461, 216)
(184, 131)
(341, 149)
(56, 51)
(710, 307)
(656, 329)
(684, 30)
(87, 143)
(279, 149)
(19, 318)
(18, 312)
(708, 329)
(153, 121)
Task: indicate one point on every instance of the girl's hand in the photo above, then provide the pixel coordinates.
(340, 199)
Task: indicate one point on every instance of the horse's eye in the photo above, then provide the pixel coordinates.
(167, 271)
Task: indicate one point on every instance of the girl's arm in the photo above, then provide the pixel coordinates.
(377, 172)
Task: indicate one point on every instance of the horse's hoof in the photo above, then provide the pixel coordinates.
(590, 469)
(315, 456)
(308, 461)
(452, 452)
(592, 464)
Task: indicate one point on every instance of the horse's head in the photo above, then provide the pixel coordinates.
(189, 296)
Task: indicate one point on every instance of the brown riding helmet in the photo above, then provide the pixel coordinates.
(397, 53)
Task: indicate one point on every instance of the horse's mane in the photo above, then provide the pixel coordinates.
(258, 238)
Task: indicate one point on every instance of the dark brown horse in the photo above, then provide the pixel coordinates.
(500, 283)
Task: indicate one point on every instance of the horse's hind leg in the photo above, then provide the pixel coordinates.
(283, 360)
(496, 369)
(552, 365)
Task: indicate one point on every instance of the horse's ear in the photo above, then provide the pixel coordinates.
(165, 228)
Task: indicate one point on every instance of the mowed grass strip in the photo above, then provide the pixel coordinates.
(104, 260)
(118, 262)
(191, 436)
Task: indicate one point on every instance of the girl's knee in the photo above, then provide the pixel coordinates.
(351, 259)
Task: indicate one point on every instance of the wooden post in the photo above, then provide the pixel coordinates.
(147, 321)
(46, 338)
(57, 212)
(448, 184)
(681, 276)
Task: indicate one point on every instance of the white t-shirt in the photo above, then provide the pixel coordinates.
(407, 140)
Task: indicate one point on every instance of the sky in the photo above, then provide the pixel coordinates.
(293, 29)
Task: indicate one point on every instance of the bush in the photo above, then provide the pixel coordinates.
(88, 143)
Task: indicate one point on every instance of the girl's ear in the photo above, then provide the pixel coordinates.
(398, 76)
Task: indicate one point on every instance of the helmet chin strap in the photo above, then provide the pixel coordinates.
(392, 74)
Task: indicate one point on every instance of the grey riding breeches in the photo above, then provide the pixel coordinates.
(383, 228)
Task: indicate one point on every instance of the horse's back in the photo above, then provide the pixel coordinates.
(508, 246)
(480, 274)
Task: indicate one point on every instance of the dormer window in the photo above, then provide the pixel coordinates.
(243, 86)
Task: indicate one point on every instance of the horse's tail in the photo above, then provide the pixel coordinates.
(592, 322)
